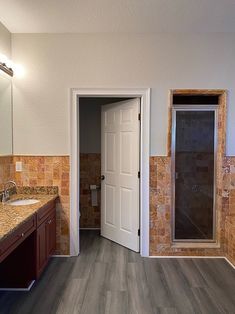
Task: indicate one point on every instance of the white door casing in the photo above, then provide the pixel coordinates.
(120, 149)
(74, 96)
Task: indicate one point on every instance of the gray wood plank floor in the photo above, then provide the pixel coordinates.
(108, 278)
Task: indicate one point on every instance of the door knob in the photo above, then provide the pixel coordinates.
(102, 177)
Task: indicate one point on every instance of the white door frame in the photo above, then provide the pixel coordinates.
(144, 95)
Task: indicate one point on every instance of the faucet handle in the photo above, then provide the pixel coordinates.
(5, 197)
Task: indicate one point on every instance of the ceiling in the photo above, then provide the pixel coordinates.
(122, 16)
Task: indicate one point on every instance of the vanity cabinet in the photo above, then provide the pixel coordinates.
(17, 237)
(46, 236)
(28, 248)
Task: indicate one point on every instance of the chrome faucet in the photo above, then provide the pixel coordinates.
(6, 193)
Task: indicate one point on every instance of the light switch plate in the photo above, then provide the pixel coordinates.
(18, 166)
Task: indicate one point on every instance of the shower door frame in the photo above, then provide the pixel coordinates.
(191, 107)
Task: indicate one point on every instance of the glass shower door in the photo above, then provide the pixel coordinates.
(194, 168)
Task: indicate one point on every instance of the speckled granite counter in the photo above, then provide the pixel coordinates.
(11, 217)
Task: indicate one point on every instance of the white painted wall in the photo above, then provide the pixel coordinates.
(5, 41)
(5, 96)
(55, 63)
(5, 114)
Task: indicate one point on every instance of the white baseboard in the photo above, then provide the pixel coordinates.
(182, 256)
(19, 289)
(231, 264)
(155, 256)
(57, 255)
(221, 257)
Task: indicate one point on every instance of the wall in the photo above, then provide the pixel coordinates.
(90, 128)
(6, 170)
(6, 114)
(43, 171)
(90, 172)
(56, 62)
(5, 49)
(90, 160)
(49, 171)
(229, 206)
(5, 41)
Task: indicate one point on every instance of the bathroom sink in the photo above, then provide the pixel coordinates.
(23, 202)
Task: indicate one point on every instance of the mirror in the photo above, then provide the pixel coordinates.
(5, 115)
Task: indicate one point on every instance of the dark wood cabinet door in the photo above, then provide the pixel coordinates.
(42, 256)
(51, 235)
(46, 238)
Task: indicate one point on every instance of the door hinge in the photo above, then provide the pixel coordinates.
(138, 174)
(138, 232)
(139, 116)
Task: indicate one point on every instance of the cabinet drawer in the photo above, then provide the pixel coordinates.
(17, 237)
(45, 212)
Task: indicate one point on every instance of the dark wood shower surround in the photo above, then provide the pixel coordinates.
(25, 253)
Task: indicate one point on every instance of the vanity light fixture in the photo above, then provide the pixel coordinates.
(5, 68)
(5, 65)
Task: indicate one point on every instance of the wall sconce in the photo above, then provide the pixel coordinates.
(5, 65)
(6, 69)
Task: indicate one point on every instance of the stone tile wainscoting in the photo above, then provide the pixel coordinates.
(44, 171)
(161, 213)
(6, 170)
(229, 207)
(47, 171)
(90, 172)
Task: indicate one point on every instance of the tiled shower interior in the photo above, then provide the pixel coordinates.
(194, 170)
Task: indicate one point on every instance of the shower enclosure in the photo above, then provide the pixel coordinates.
(194, 165)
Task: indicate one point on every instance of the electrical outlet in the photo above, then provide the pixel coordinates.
(19, 166)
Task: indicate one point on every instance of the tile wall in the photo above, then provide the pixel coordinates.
(6, 169)
(161, 213)
(229, 207)
(44, 171)
(90, 171)
(39, 170)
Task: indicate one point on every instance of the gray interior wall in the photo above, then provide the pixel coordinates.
(90, 122)
(90, 128)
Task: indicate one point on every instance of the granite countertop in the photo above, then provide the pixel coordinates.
(11, 217)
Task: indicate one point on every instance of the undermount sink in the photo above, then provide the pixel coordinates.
(23, 202)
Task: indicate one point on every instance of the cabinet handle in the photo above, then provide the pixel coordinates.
(22, 234)
(49, 222)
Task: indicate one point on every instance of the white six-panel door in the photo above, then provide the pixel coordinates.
(120, 128)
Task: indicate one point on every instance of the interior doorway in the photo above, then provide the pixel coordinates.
(143, 221)
(109, 168)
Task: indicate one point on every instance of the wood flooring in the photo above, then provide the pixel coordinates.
(108, 278)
